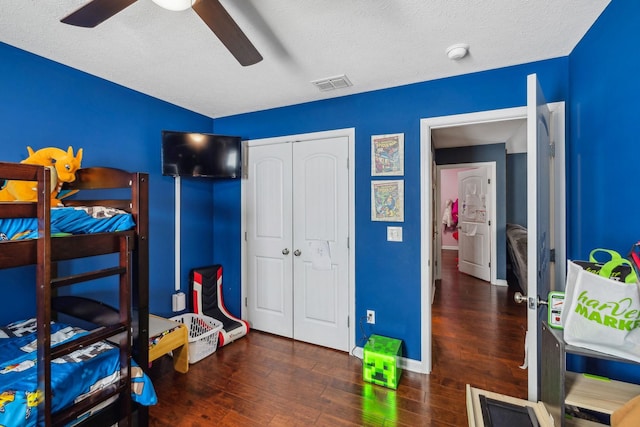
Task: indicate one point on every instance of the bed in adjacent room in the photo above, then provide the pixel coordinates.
(517, 248)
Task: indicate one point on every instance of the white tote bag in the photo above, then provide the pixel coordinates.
(600, 313)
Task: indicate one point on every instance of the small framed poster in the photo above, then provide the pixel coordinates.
(387, 155)
(387, 201)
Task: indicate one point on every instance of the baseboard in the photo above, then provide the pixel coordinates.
(450, 248)
(501, 282)
(406, 364)
(411, 365)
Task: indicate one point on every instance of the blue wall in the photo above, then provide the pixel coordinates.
(604, 153)
(387, 274)
(603, 157)
(43, 104)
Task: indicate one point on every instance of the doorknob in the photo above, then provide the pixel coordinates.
(285, 251)
(519, 299)
(297, 252)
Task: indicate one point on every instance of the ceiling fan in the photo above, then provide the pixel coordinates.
(210, 11)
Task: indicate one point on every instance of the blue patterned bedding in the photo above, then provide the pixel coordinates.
(74, 376)
(68, 221)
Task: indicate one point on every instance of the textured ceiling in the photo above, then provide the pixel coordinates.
(378, 44)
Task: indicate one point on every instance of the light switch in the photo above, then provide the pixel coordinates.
(394, 234)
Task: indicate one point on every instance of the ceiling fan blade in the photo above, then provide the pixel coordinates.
(225, 28)
(95, 12)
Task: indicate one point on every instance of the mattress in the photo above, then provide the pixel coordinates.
(75, 376)
(517, 246)
(72, 220)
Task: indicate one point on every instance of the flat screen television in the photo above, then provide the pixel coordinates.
(203, 155)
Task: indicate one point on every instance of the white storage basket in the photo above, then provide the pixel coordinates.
(203, 334)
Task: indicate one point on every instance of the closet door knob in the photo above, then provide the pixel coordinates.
(285, 251)
(297, 252)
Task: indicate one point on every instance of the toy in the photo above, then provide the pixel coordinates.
(63, 165)
(380, 361)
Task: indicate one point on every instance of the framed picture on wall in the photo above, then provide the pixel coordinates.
(387, 155)
(387, 201)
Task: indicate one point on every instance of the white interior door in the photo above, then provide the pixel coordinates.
(297, 228)
(538, 223)
(474, 237)
(320, 231)
(269, 216)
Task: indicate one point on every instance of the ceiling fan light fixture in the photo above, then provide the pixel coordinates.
(175, 5)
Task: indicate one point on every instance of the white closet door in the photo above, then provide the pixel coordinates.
(320, 232)
(297, 213)
(269, 239)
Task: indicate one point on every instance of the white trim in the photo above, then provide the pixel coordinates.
(426, 221)
(243, 232)
(449, 248)
(533, 335)
(475, 118)
(350, 133)
(411, 365)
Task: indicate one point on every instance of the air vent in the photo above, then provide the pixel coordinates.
(331, 83)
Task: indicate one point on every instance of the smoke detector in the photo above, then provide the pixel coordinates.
(457, 51)
(331, 83)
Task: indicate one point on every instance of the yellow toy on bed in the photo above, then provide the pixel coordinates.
(63, 165)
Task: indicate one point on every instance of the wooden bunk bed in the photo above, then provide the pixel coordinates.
(125, 326)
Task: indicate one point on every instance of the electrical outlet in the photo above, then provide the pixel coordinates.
(371, 317)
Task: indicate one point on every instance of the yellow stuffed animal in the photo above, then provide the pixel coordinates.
(63, 165)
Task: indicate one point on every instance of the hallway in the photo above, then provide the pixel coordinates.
(478, 333)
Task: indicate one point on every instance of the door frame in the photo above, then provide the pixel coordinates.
(350, 134)
(492, 218)
(428, 216)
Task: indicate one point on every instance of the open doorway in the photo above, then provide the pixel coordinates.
(455, 236)
(471, 130)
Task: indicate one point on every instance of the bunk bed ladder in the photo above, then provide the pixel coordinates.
(140, 190)
(114, 325)
(140, 277)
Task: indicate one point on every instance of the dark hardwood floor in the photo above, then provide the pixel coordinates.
(265, 380)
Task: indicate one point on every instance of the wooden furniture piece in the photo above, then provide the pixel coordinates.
(128, 323)
(474, 410)
(560, 387)
(170, 337)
